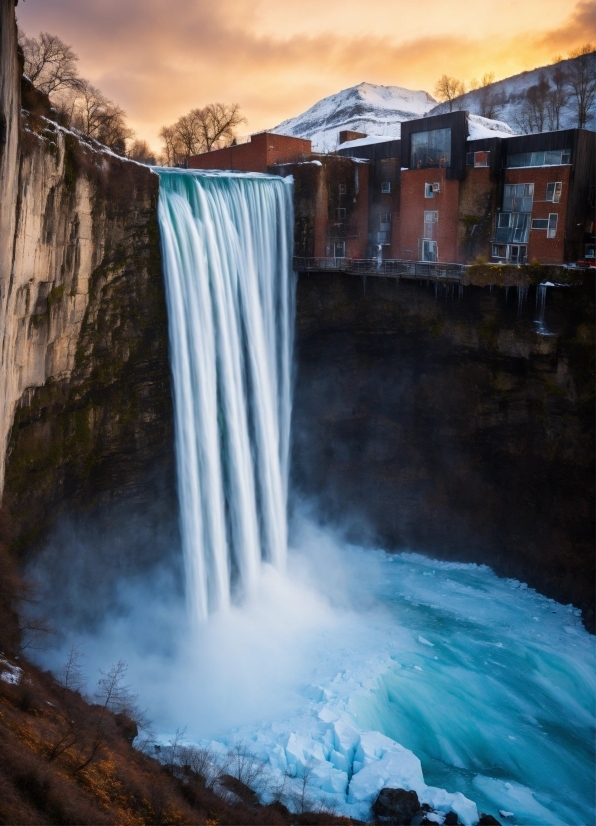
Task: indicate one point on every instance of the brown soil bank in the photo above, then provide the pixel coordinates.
(444, 422)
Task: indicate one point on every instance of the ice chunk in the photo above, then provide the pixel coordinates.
(424, 641)
(444, 801)
(384, 764)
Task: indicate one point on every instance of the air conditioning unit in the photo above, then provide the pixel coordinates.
(436, 187)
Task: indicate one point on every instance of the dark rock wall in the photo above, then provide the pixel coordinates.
(447, 424)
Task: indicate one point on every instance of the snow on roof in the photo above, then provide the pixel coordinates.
(480, 127)
(367, 141)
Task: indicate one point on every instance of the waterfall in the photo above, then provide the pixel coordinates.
(227, 244)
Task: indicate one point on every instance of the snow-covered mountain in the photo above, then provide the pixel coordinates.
(508, 95)
(375, 110)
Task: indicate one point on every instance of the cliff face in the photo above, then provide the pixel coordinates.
(10, 104)
(449, 425)
(86, 413)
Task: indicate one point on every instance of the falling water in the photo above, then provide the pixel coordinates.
(227, 249)
(541, 306)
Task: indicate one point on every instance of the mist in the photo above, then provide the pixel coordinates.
(240, 667)
(358, 667)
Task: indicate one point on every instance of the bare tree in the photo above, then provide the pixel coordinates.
(581, 76)
(50, 64)
(489, 101)
(532, 114)
(448, 88)
(140, 151)
(97, 117)
(556, 99)
(70, 675)
(71, 722)
(115, 696)
(217, 123)
(201, 130)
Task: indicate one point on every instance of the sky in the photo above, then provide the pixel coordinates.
(158, 59)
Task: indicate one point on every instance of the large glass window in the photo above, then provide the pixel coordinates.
(518, 197)
(553, 157)
(430, 149)
(512, 226)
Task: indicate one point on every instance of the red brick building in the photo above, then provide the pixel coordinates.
(331, 206)
(262, 151)
(436, 195)
(514, 199)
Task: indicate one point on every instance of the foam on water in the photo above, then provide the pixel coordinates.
(402, 671)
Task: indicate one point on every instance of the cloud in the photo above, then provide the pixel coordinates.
(580, 28)
(160, 59)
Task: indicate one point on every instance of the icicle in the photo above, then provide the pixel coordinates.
(522, 292)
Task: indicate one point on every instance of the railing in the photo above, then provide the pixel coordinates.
(388, 268)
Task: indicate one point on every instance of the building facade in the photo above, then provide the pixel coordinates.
(445, 192)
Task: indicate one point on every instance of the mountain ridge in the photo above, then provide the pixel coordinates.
(379, 110)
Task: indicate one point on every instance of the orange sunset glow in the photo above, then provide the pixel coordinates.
(158, 59)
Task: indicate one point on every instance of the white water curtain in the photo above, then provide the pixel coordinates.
(227, 242)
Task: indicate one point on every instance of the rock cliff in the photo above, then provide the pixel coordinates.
(455, 425)
(86, 413)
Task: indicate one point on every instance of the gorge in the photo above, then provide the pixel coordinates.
(426, 420)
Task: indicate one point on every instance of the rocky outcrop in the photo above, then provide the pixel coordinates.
(451, 424)
(86, 410)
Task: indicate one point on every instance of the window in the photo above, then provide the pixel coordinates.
(539, 223)
(518, 197)
(386, 218)
(517, 255)
(553, 192)
(386, 187)
(340, 213)
(512, 226)
(430, 149)
(342, 189)
(339, 249)
(428, 191)
(555, 157)
(431, 217)
(514, 253)
(480, 158)
(553, 219)
(429, 250)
